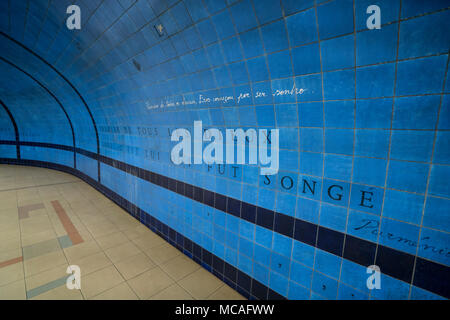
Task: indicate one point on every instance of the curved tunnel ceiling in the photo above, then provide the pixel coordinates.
(338, 92)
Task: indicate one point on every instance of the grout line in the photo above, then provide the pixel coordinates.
(428, 179)
(390, 144)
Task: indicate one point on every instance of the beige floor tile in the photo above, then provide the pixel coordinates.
(44, 262)
(93, 220)
(162, 253)
(9, 224)
(47, 276)
(120, 292)
(102, 229)
(81, 250)
(174, 292)
(225, 293)
(148, 241)
(11, 273)
(136, 232)
(13, 291)
(200, 284)
(179, 267)
(93, 263)
(100, 281)
(34, 238)
(122, 252)
(150, 283)
(112, 240)
(135, 265)
(9, 245)
(6, 255)
(10, 234)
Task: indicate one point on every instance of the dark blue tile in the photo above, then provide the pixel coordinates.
(412, 8)
(302, 28)
(243, 16)
(275, 36)
(280, 64)
(414, 181)
(338, 53)
(424, 110)
(310, 114)
(339, 141)
(423, 36)
(421, 76)
(403, 206)
(412, 145)
(339, 114)
(267, 10)
(251, 44)
(375, 81)
(439, 185)
(306, 59)
(369, 171)
(340, 11)
(375, 46)
(257, 68)
(339, 85)
(224, 25)
(292, 6)
(372, 143)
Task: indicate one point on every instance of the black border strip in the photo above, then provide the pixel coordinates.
(69, 83)
(16, 129)
(53, 96)
(392, 262)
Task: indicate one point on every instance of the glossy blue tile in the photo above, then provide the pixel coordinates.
(274, 36)
(373, 113)
(372, 143)
(414, 181)
(339, 85)
(306, 59)
(375, 81)
(424, 109)
(338, 10)
(338, 53)
(438, 185)
(412, 145)
(301, 28)
(369, 171)
(421, 76)
(378, 45)
(403, 206)
(267, 10)
(339, 114)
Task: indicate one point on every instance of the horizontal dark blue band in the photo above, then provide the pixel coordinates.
(392, 262)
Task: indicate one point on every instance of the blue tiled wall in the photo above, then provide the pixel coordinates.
(369, 133)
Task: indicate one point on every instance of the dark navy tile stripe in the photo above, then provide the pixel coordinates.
(69, 83)
(54, 98)
(16, 129)
(392, 262)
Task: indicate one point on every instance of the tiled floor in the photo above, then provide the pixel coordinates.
(50, 220)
